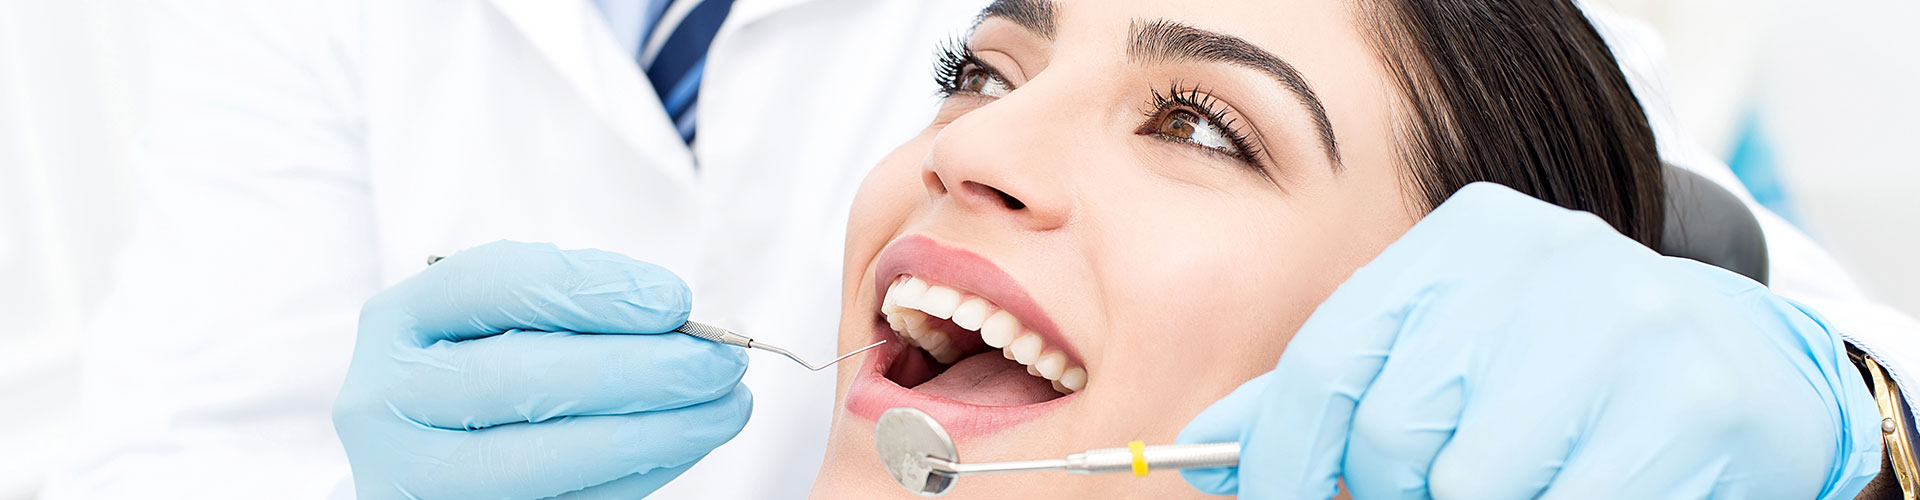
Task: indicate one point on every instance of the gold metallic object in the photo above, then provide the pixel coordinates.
(1894, 425)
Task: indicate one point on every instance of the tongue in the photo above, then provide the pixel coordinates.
(989, 379)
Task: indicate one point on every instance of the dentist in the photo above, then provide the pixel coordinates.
(302, 158)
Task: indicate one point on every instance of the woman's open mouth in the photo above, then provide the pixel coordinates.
(966, 343)
(959, 335)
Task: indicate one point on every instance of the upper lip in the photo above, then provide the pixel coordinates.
(921, 257)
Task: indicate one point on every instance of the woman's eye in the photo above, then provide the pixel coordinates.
(1186, 125)
(980, 81)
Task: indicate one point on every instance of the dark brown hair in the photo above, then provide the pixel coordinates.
(1523, 93)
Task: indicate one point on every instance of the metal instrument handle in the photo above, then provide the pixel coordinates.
(1106, 460)
(1173, 456)
(715, 334)
(946, 467)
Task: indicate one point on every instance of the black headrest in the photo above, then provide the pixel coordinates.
(1707, 223)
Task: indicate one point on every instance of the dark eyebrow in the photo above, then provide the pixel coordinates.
(1162, 40)
(1034, 15)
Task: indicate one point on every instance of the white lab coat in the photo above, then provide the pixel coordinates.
(303, 154)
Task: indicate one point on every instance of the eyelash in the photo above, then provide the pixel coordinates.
(955, 58)
(1210, 108)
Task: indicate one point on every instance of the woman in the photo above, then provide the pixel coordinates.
(1125, 210)
(1116, 185)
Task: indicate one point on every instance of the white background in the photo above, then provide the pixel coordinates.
(1837, 85)
(68, 109)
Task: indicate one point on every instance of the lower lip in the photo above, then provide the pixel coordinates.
(872, 394)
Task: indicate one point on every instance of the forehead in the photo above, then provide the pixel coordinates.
(1323, 38)
(1258, 20)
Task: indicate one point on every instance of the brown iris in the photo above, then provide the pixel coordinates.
(1179, 124)
(975, 80)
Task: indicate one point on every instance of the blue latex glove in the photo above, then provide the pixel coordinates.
(1505, 348)
(468, 381)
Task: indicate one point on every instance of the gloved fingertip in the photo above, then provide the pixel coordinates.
(725, 417)
(1227, 419)
(679, 436)
(741, 401)
(655, 300)
(727, 362)
(1217, 481)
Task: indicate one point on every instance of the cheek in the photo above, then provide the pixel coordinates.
(1246, 281)
(889, 195)
(1210, 290)
(887, 199)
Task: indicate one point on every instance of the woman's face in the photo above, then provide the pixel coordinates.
(1139, 200)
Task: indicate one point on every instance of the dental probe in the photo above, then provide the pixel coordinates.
(716, 334)
(722, 335)
(917, 452)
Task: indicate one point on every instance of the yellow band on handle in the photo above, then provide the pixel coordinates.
(1139, 450)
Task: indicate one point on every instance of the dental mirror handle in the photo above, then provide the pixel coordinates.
(1137, 460)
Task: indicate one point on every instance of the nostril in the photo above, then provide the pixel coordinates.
(1008, 200)
(1012, 203)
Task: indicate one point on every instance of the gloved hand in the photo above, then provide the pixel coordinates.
(1505, 348)
(515, 370)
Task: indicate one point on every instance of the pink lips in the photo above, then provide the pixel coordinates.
(872, 393)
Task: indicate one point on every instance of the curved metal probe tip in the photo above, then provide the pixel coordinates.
(724, 336)
(810, 366)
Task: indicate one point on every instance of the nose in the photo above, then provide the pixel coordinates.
(994, 161)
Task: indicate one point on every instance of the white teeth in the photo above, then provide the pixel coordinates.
(1074, 378)
(891, 304)
(897, 322)
(999, 329)
(915, 321)
(1026, 349)
(911, 293)
(939, 302)
(933, 343)
(905, 295)
(1051, 365)
(910, 302)
(972, 313)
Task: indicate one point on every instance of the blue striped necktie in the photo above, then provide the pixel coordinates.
(676, 68)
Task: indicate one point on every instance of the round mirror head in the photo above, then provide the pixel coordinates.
(906, 438)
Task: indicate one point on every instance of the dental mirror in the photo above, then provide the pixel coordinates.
(906, 438)
(920, 455)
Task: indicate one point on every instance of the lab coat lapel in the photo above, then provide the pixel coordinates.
(573, 37)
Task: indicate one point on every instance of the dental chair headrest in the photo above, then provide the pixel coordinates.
(1707, 223)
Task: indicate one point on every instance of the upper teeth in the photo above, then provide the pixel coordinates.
(910, 301)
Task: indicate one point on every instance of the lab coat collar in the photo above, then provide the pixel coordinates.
(573, 37)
